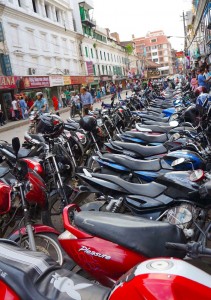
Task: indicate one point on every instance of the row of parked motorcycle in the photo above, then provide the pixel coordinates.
(97, 208)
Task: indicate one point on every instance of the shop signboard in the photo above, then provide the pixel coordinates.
(56, 80)
(9, 82)
(67, 80)
(89, 66)
(32, 82)
(179, 54)
(89, 79)
(75, 80)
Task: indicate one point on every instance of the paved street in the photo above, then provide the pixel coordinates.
(8, 134)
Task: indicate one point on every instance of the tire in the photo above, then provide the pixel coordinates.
(46, 243)
(53, 216)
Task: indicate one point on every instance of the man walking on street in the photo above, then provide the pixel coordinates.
(113, 93)
(15, 107)
(86, 100)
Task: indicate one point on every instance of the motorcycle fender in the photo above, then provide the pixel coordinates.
(37, 228)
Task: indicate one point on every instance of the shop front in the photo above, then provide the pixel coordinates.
(9, 85)
(105, 81)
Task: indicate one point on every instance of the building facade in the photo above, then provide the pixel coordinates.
(157, 48)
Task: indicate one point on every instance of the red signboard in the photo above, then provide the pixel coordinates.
(77, 79)
(179, 54)
(31, 82)
(89, 65)
(9, 82)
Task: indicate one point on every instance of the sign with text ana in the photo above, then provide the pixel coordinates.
(8, 82)
(89, 66)
(31, 82)
(179, 54)
(77, 79)
(56, 80)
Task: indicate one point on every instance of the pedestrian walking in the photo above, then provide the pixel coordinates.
(194, 82)
(2, 122)
(98, 96)
(64, 101)
(15, 107)
(113, 93)
(119, 92)
(75, 105)
(86, 100)
(23, 107)
(103, 90)
(55, 103)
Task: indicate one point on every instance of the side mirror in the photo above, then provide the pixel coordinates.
(178, 161)
(16, 145)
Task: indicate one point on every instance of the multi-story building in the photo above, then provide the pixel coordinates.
(39, 35)
(157, 48)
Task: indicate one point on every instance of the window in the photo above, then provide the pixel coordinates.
(111, 57)
(164, 46)
(108, 57)
(166, 59)
(154, 41)
(30, 38)
(47, 10)
(94, 69)
(106, 70)
(154, 53)
(34, 4)
(65, 46)
(102, 69)
(110, 73)
(104, 55)
(160, 53)
(96, 53)
(55, 43)
(19, 3)
(154, 47)
(92, 53)
(115, 58)
(44, 39)
(57, 15)
(155, 60)
(161, 58)
(99, 70)
(86, 51)
(101, 55)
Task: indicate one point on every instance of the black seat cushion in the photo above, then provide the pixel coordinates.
(144, 236)
(134, 164)
(156, 128)
(34, 275)
(143, 151)
(151, 189)
(161, 138)
(155, 118)
(3, 171)
(22, 152)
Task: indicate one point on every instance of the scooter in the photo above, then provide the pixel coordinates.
(35, 276)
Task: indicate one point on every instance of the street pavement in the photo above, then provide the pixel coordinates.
(18, 128)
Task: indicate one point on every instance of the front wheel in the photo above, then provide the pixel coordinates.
(46, 243)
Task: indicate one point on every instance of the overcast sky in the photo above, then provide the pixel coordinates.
(140, 16)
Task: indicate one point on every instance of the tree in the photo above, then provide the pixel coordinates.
(129, 49)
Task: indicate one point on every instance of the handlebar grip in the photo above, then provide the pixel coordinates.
(176, 246)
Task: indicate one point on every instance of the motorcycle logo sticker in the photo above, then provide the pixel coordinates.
(66, 285)
(93, 253)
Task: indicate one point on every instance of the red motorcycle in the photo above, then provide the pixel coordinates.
(22, 193)
(31, 275)
(107, 245)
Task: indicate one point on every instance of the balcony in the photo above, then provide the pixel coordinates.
(88, 21)
(88, 4)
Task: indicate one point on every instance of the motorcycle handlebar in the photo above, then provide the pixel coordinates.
(194, 249)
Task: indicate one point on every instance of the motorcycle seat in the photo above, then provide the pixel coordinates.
(151, 189)
(3, 171)
(34, 275)
(21, 153)
(134, 164)
(155, 128)
(143, 151)
(161, 138)
(141, 235)
(38, 137)
(155, 118)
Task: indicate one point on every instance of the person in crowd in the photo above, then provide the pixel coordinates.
(98, 96)
(40, 104)
(194, 82)
(119, 92)
(29, 102)
(202, 81)
(64, 100)
(86, 100)
(15, 107)
(2, 120)
(103, 90)
(23, 107)
(75, 105)
(55, 103)
(149, 84)
(112, 92)
(68, 96)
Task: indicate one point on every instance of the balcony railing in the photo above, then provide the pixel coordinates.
(89, 22)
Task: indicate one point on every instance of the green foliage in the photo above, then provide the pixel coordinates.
(129, 49)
